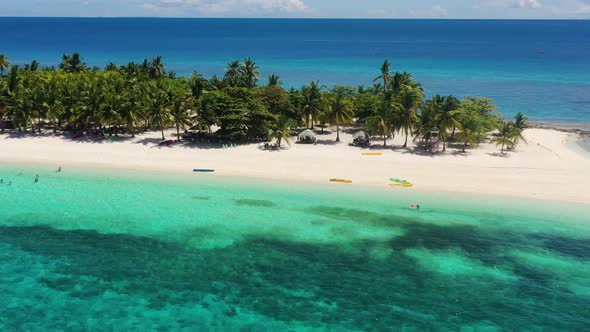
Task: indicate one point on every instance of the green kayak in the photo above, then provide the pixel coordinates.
(398, 180)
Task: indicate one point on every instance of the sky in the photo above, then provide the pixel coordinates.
(528, 9)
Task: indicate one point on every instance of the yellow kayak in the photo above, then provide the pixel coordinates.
(341, 180)
(372, 153)
(401, 185)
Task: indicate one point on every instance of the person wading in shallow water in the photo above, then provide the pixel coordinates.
(37, 178)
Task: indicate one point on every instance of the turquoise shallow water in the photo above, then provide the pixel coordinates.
(95, 250)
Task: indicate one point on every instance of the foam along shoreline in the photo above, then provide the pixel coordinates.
(545, 168)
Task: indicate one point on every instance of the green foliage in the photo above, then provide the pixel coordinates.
(3, 63)
(520, 121)
(145, 96)
(340, 107)
(281, 130)
(508, 136)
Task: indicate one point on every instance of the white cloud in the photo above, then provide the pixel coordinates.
(523, 4)
(532, 4)
(251, 7)
(438, 11)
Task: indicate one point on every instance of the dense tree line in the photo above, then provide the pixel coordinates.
(141, 96)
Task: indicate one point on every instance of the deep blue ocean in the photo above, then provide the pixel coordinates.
(541, 68)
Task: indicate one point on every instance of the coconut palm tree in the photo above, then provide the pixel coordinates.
(156, 68)
(311, 103)
(385, 75)
(469, 137)
(34, 66)
(52, 103)
(340, 108)
(399, 80)
(406, 109)
(273, 80)
(281, 130)
(159, 107)
(505, 136)
(133, 108)
(180, 111)
(232, 73)
(448, 118)
(198, 85)
(72, 63)
(249, 73)
(381, 123)
(3, 63)
(520, 121)
(92, 99)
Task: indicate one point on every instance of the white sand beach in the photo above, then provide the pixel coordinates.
(545, 168)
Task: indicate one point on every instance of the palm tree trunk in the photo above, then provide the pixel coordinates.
(384, 140)
(177, 132)
(406, 142)
(312, 122)
(162, 129)
(502, 150)
(337, 132)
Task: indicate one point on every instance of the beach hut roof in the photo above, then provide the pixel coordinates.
(307, 133)
(359, 134)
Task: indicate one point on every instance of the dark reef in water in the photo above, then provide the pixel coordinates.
(255, 202)
(319, 284)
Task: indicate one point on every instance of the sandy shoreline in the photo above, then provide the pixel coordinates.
(545, 168)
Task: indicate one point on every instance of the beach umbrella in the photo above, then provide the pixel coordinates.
(307, 133)
(359, 134)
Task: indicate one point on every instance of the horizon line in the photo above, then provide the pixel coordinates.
(305, 18)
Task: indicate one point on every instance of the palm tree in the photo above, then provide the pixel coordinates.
(273, 80)
(232, 73)
(159, 107)
(380, 123)
(34, 66)
(281, 130)
(156, 68)
(406, 109)
(3, 63)
(92, 100)
(249, 73)
(217, 83)
(399, 80)
(385, 75)
(198, 85)
(311, 104)
(504, 137)
(340, 111)
(520, 121)
(52, 104)
(180, 111)
(469, 137)
(448, 118)
(516, 136)
(72, 63)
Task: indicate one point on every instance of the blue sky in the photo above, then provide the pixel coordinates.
(302, 8)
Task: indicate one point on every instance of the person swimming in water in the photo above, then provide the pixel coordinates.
(37, 178)
(58, 170)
